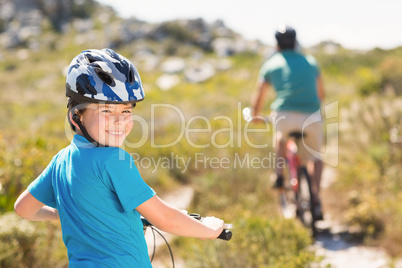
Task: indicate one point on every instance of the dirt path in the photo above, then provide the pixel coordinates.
(180, 198)
(333, 245)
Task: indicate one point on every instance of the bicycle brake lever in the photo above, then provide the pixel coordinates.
(195, 216)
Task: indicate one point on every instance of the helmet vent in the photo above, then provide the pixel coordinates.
(131, 76)
(105, 77)
(112, 54)
(84, 83)
(91, 58)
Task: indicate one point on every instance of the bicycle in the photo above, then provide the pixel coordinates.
(225, 235)
(296, 197)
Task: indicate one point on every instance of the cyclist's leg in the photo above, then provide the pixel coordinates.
(310, 151)
(283, 124)
(280, 151)
(314, 169)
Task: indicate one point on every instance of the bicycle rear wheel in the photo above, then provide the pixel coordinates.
(287, 198)
(305, 205)
(287, 202)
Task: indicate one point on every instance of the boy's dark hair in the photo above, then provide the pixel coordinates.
(75, 107)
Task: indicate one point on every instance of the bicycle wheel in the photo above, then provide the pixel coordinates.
(287, 202)
(304, 201)
(287, 198)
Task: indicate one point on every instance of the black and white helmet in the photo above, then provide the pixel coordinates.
(103, 76)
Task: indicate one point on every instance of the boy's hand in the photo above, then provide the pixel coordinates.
(217, 225)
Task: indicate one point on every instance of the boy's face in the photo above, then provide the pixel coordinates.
(108, 124)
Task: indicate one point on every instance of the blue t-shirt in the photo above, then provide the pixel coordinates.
(294, 77)
(96, 191)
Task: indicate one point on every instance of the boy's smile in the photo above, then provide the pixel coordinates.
(108, 124)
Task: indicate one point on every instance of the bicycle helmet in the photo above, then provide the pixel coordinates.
(103, 76)
(286, 37)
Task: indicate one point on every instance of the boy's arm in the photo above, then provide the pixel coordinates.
(174, 221)
(28, 207)
(257, 100)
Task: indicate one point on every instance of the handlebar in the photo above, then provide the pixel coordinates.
(225, 235)
(248, 115)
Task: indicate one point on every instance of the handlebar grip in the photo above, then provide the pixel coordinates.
(145, 222)
(225, 235)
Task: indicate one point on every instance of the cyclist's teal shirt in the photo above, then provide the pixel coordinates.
(293, 76)
(96, 191)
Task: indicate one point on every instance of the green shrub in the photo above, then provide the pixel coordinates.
(257, 242)
(391, 72)
(30, 244)
(17, 240)
(371, 141)
(365, 217)
(370, 82)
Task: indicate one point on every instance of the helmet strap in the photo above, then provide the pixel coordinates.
(84, 131)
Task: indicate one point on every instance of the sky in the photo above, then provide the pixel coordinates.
(355, 24)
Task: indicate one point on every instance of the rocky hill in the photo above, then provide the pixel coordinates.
(48, 25)
(24, 22)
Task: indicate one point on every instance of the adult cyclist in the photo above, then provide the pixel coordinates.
(299, 92)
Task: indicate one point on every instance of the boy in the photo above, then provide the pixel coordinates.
(97, 194)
